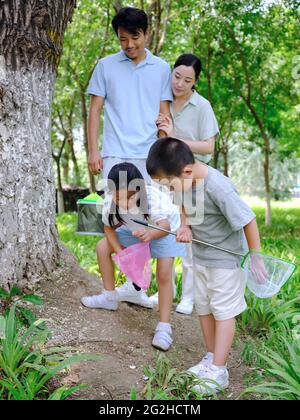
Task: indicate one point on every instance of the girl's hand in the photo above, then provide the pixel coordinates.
(184, 234)
(143, 235)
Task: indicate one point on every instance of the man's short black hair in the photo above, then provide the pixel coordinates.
(131, 19)
(169, 156)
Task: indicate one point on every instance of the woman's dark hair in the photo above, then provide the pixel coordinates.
(190, 60)
(131, 19)
(126, 176)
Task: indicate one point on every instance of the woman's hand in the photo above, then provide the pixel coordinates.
(165, 123)
(184, 234)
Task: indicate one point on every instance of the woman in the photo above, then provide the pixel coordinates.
(193, 121)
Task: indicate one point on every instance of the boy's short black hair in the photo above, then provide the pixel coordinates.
(169, 156)
(131, 19)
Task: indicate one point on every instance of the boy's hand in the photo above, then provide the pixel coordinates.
(258, 269)
(184, 234)
(143, 235)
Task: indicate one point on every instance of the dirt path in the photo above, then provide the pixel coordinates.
(123, 338)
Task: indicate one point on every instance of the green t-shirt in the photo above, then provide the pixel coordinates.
(224, 216)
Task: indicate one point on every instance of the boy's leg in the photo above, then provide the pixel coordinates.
(208, 328)
(224, 336)
(165, 287)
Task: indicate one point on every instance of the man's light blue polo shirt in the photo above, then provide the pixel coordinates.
(132, 101)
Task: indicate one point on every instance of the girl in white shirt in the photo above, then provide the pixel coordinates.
(129, 197)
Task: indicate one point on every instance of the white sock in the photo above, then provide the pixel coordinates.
(210, 354)
(219, 367)
(111, 294)
(165, 326)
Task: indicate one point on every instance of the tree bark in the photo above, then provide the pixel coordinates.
(31, 37)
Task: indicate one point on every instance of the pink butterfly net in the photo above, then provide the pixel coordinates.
(135, 263)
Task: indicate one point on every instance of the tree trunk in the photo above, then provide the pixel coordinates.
(268, 213)
(60, 194)
(225, 157)
(84, 115)
(31, 35)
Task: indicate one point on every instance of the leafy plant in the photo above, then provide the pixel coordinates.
(167, 383)
(27, 364)
(263, 314)
(282, 374)
(16, 297)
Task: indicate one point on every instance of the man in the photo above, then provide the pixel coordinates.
(133, 86)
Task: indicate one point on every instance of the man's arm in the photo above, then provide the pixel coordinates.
(94, 160)
(164, 109)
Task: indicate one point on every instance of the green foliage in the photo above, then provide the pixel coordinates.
(269, 329)
(16, 297)
(167, 383)
(27, 365)
(282, 373)
(230, 37)
(266, 329)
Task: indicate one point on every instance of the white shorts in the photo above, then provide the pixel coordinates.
(219, 291)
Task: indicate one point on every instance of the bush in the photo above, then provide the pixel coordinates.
(27, 364)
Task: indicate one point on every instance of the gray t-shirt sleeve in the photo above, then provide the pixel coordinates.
(97, 84)
(207, 122)
(234, 209)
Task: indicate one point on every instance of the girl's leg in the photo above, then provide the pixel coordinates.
(208, 328)
(106, 267)
(224, 335)
(108, 299)
(165, 288)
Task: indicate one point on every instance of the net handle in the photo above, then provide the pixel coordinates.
(193, 240)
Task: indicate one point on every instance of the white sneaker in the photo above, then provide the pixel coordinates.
(186, 307)
(205, 361)
(214, 379)
(107, 300)
(154, 299)
(162, 339)
(127, 293)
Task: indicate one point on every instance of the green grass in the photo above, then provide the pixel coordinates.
(269, 331)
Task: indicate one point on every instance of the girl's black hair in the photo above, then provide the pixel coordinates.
(131, 19)
(126, 176)
(190, 60)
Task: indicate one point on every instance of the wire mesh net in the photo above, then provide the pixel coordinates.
(266, 274)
